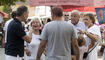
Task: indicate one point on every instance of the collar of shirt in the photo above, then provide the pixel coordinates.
(17, 20)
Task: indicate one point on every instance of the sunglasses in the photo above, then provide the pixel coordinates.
(85, 19)
(66, 15)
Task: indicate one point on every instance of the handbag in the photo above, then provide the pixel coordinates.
(86, 53)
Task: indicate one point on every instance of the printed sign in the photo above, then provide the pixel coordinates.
(100, 12)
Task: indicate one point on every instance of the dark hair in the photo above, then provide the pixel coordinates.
(48, 20)
(13, 14)
(20, 10)
(91, 16)
(57, 11)
(42, 22)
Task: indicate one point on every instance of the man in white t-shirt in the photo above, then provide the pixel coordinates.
(1, 18)
(75, 20)
(13, 15)
(66, 16)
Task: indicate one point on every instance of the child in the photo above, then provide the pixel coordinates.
(82, 47)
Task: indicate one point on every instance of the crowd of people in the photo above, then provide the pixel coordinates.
(61, 38)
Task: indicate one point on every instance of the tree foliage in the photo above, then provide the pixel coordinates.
(7, 6)
(10, 2)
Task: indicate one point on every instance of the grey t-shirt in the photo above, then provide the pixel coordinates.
(58, 35)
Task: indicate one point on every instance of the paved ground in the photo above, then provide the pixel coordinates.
(2, 54)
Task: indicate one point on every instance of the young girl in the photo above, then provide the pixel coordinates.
(82, 47)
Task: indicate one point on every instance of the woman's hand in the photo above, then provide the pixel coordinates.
(28, 53)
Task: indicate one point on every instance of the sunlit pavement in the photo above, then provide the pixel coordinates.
(2, 55)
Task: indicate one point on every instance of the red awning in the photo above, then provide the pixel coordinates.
(66, 2)
(3, 14)
(68, 8)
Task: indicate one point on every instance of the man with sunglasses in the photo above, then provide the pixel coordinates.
(66, 16)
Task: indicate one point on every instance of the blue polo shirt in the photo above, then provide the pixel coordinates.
(15, 44)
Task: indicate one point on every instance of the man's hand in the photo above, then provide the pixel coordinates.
(28, 37)
(73, 57)
(37, 58)
(81, 31)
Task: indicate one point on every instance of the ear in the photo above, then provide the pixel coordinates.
(91, 21)
(79, 16)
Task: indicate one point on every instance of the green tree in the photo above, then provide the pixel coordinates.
(10, 2)
(6, 5)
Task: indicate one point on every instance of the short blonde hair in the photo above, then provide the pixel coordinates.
(34, 20)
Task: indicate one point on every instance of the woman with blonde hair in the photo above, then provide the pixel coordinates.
(32, 47)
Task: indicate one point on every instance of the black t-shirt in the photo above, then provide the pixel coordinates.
(15, 43)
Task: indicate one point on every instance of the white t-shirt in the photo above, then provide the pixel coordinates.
(82, 50)
(1, 18)
(93, 54)
(6, 27)
(33, 47)
(58, 34)
(79, 25)
(94, 30)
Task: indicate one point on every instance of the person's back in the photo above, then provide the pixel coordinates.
(59, 40)
(57, 35)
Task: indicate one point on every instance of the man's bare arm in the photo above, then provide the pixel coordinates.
(28, 37)
(76, 48)
(41, 49)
